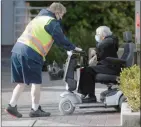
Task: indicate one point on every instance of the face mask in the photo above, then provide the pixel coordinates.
(97, 38)
(59, 21)
(59, 18)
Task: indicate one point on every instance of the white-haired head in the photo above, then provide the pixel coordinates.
(102, 32)
(58, 9)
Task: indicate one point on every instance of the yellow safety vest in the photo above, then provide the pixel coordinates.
(36, 37)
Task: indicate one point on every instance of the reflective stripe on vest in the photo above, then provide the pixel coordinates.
(39, 43)
(34, 41)
(42, 49)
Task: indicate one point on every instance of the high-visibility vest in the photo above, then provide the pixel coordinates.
(36, 37)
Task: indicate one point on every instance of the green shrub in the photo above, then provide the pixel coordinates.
(56, 53)
(130, 86)
(82, 37)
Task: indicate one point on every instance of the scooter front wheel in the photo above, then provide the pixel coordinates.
(66, 107)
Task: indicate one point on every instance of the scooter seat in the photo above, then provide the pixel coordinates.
(105, 78)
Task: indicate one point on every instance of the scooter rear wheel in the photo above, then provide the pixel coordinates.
(121, 100)
(66, 107)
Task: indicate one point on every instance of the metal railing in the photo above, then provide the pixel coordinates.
(22, 17)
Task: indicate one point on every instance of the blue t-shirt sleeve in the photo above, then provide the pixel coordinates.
(54, 29)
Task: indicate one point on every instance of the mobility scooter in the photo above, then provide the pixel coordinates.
(112, 97)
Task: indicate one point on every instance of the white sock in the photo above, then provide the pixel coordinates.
(35, 96)
(35, 106)
(16, 94)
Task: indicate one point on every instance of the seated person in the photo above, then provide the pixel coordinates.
(106, 46)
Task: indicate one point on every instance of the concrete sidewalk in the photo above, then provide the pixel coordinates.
(50, 97)
(49, 102)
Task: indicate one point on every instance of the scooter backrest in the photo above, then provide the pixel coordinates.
(127, 36)
(129, 49)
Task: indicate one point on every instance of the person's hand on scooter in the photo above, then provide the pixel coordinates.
(69, 53)
(78, 49)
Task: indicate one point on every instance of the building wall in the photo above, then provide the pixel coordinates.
(20, 20)
(7, 22)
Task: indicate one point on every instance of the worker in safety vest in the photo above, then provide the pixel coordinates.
(28, 56)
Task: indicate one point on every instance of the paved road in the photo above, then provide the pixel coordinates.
(49, 101)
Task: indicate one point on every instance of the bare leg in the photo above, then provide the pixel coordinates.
(35, 96)
(16, 94)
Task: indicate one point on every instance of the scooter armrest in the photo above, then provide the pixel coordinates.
(115, 60)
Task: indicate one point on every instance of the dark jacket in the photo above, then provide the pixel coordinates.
(107, 48)
(54, 29)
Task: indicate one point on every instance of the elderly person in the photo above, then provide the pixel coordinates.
(28, 56)
(106, 46)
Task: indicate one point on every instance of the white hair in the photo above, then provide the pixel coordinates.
(103, 31)
(57, 7)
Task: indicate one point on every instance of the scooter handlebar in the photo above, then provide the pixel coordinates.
(75, 52)
(80, 52)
